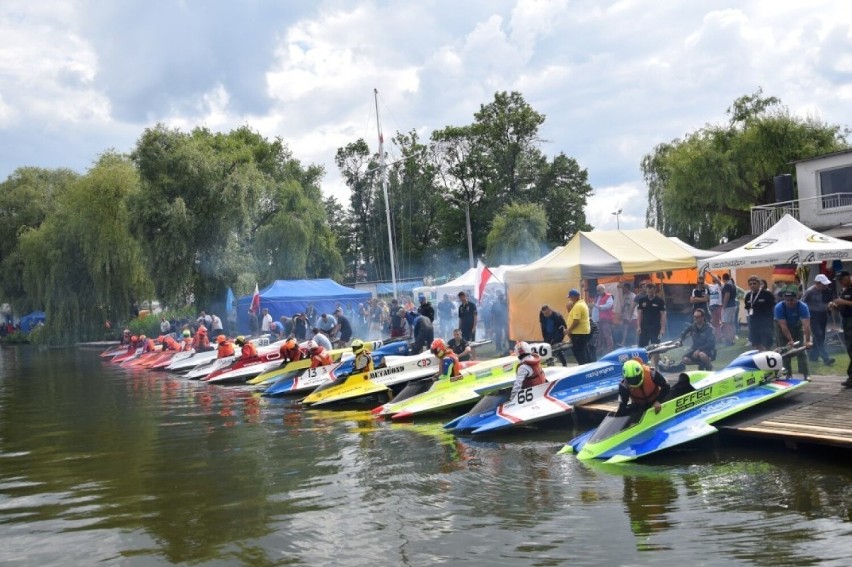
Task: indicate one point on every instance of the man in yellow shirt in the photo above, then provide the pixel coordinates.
(579, 327)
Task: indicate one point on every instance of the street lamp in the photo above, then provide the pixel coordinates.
(617, 224)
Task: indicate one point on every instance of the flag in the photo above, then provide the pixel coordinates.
(483, 275)
(255, 301)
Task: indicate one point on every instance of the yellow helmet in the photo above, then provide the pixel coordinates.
(632, 372)
(358, 346)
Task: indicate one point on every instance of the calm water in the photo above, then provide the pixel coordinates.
(99, 464)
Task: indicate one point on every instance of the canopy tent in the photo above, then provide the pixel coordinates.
(787, 242)
(30, 320)
(288, 297)
(406, 287)
(467, 281)
(588, 255)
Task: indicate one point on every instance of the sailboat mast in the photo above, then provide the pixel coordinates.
(385, 191)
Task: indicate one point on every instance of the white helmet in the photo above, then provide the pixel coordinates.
(523, 349)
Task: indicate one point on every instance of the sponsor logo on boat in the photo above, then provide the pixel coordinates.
(386, 371)
(720, 405)
(692, 399)
(423, 363)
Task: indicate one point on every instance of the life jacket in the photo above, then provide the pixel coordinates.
(226, 348)
(201, 342)
(148, 345)
(647, 393)
(362, 365)
(538, 377)
(450, 365)
(291, 355)
(170, 344)
(187, 344)
(248, 350)
(321, 358)
(605, 315)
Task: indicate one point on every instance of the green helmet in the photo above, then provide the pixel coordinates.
(632, 372)
(186, 333)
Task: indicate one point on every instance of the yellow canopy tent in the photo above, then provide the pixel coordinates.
(588, 255)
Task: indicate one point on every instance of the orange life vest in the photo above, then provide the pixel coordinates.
(320, 359)
(248, 350)
(291, 355)
(226, 348)
(187, 344)
(646, 393)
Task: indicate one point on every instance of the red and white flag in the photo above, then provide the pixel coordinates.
(483, 275)
(255, 301)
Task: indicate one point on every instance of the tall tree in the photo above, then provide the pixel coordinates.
(81, 263)
(27, 198)
(701, 187)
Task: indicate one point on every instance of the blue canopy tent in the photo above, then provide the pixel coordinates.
(288, 297)
(401, 287)
(31, 320)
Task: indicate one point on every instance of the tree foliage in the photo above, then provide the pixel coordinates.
(81, 264)
(518, 236)
(701, 187)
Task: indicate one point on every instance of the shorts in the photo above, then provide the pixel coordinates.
(761, 333)
(729, 315)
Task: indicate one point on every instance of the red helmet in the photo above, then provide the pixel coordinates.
(290, 345)
(134, 338)
(202, 330)
(439, 348)
(220, 339)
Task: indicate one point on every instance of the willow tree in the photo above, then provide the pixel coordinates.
(81, 263)
(27, 198)
(701, 187)
(518, 236)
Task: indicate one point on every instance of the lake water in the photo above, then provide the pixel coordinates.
(102, 465)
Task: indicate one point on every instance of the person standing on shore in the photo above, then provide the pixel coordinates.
(844, 305)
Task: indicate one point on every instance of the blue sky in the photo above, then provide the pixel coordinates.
(614, 79)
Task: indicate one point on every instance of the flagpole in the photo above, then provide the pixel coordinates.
(385, 191)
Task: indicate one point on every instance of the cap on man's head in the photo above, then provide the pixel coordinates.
(821, 278)
(791, 291)
(842, 274)
(574, 293)
(421, 297)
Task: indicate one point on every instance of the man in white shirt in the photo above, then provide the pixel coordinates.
(266, 324)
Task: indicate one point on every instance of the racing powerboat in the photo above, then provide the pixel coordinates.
(566, 387)
(299, 378)
(465, 389)
(749, 380)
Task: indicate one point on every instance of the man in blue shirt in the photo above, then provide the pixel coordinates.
(793, 324)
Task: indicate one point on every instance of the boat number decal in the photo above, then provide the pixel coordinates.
(687, 401)
(424, 362)
(525, 395)
(769, 361)
(543, 350)
(312, 372)
(262, 342)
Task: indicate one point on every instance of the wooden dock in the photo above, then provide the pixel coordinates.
(817, 414)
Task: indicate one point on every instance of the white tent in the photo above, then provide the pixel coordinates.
(787, 242)
(467, 281)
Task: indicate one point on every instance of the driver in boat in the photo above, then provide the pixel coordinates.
(449, 361)
(642, 387)
(187, 340)
(224, 347)
(319, 356)
(529, 372)
(247, 348)
(290, 351)
(363, 358)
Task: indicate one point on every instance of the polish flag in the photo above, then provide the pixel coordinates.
(255, 301)
(483, 275)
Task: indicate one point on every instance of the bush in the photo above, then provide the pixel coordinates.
(18, 337)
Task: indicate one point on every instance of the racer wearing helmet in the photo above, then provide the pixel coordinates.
(169, 343)
(247, 348)
(421, 331)
(529, 372)
(133, 344)
(224, 346)
(290, 351)
(641, 388)
(146, 344)
(125, 337)
(449, 361)
(363, 358)
(319, 356)
(187, 340)
(201, 342)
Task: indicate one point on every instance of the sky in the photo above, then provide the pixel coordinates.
(613, 78)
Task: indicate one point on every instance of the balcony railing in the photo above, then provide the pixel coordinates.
(764, 217)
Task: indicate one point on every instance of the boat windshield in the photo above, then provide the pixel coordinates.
(611, 425)
(491, 401)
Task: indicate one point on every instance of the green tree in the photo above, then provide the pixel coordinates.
(27, 198)
(702, 187)
(81, 263)
(518, 236)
